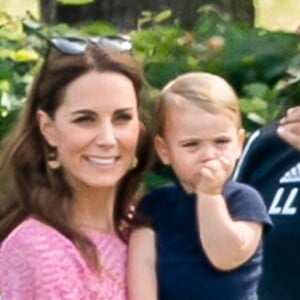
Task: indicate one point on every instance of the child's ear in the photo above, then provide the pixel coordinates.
(241, 140)
(162, 149)
(46, 126)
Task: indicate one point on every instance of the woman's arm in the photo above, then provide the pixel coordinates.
(142, 282)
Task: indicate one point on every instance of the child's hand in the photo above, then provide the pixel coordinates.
(213, 175)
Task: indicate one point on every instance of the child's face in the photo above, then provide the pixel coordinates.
(193, 137)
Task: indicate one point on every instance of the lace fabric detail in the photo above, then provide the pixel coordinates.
(37, 262)
(113, 261)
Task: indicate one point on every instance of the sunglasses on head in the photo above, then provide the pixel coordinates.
(76, 45)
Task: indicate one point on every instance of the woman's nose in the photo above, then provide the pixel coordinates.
(106, 134)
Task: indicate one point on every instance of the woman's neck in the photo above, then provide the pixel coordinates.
(94, 209)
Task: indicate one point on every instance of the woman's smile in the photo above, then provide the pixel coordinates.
(100, 160)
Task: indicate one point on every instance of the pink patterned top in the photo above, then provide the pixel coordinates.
(39, 263)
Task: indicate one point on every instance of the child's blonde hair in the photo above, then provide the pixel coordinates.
(208, 91)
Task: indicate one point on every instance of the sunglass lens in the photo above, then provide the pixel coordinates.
(116, 42)
(69, 46)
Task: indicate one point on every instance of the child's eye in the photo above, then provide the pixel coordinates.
(222, 141)
(190, 144)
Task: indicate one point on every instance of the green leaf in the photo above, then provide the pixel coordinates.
(146, 13)
(75, 2)
(256, 119)
(4, 85)
(162, 16)
(31, 23)
(98, 28)
(256, 89)
(255, 104)
(24, 55)
(153, 179)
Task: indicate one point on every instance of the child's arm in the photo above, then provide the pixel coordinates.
(226, 242)
(141, 266)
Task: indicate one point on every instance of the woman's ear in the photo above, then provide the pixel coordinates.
(162, 149)
(47, 128)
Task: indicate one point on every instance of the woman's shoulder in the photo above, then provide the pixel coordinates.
(31, 229)
(33, 237)
(40, 262)
(35, 249)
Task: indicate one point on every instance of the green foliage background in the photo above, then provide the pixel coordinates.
(263, 66)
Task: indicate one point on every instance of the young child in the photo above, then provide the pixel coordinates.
(204, 238)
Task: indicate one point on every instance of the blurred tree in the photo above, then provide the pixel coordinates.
(125, 13)
(48, 11)
(240, 10)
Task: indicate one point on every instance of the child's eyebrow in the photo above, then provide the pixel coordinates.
(188, 140)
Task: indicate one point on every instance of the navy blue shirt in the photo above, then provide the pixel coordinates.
(183, 270)
(273, 167)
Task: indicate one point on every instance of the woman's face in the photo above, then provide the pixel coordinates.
(95, 130)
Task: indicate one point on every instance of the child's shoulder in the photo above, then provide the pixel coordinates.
(159, 197)
(234, 187)
(162, 189)
(245, 203)
(170, 191)
(244, 195)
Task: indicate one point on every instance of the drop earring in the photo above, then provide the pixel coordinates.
(52, 161)
(134, 163)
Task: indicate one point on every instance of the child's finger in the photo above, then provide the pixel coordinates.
(206, 173)
(227, 162)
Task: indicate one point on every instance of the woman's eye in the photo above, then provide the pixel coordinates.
(84, 119)
(123, 117)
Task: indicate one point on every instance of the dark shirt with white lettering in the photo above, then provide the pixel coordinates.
(183, 270)
(273, 168)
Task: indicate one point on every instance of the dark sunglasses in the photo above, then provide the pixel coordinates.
(76, 46)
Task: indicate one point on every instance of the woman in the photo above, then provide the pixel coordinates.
(69, 171)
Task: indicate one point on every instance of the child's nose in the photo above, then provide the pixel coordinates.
(208, 153)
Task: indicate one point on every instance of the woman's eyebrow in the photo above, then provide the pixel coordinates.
(83, 111)
(126, 109)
